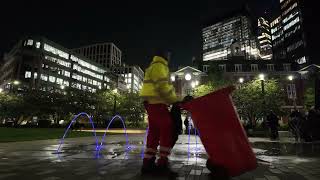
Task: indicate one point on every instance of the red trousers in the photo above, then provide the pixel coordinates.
(160, 130)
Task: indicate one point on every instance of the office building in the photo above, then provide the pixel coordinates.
(229, 37)
(105, 54)
(264, 38)
(38, 63)
(294, 34)
(133, 77)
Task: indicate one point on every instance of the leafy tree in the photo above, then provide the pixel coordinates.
(252, 104)
(131, 107)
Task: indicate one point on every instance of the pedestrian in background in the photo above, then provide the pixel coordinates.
(273, 123)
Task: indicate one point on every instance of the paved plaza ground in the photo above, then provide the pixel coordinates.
(79, 160)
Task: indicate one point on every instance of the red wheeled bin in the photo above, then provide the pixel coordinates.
(221, 132)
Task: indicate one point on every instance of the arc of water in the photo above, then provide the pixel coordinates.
(125, 132)
(144, 142)
(67, 130)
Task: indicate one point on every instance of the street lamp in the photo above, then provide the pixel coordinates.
(241, 80)
(290, 78)
(292, 88)
(1, 90)
(16, 82)
(115, 91)
(62, 87)
(187, 77)
(173, 78)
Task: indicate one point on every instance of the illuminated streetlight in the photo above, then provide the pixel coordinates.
(261, 77)
(115, 90)
(16, 82)
(197, 83)
(187, 77)
(290, 78)
(193, 84)
(1, 90)
(62, 87)
(241, 80)
(173, 78)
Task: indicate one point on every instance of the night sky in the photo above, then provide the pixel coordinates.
(136, 27)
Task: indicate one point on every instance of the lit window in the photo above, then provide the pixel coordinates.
(302, 60)
(30, 42)
(52, 79)
(56, 51)
(67, 73)
(38, 45)
(66, 83)
(27, 74)
(44, 77)
(59, 81)
(94, 82)
(84, 79)
(295, 21)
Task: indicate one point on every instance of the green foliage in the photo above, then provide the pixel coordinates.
(252, 104)
(50, 105)
(132, 109)
(204, 89)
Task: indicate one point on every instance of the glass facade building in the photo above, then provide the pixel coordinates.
(133, 77)
(105, 54)
(229, 37)
(39, 63)
(264, 38)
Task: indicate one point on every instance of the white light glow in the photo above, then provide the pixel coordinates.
(16, 82)
(1, 90)
(173, 78)
(261, 77)
(290, 78)
(241, 80)
(115, 90)
(193, 84)
(62, 87)
(187, 77)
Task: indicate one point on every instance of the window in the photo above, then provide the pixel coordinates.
(294, 46)
(44, 77)
(295, 21)
(302, 60)
(286, 67)
(291, 91)
(238, 67)
(270, 67)
(66, 83)
(29, 42)
(222, 67)
(84, 79)
(52, 79)
(56, 51)
(254, 67)
(38, 45)
(59, 81)
(67, 73)
(27, 74)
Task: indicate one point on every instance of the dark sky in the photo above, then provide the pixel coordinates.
(136, 27)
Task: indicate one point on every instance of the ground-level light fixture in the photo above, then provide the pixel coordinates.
(16, 82)
(290, 78)
(241, 80)
(262, 77)
(187, 77)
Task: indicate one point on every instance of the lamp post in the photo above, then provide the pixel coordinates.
(115, 91)
(262, 79)
(241, 80)
(292, 93)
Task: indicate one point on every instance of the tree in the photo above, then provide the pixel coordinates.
(252, 104)
(131, 107)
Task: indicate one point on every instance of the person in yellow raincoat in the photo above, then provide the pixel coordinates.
(158, 93)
